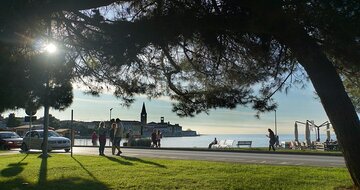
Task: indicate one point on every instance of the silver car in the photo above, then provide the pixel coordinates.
(34, 139)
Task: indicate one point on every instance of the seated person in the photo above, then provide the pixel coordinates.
(212, 143)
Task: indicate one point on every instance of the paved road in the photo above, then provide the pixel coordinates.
(241, 157)
(259, 158)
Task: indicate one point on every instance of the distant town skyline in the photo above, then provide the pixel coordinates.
(297, 105)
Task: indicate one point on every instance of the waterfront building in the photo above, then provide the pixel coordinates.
(142, 128)
(167, 129)
(189, 132)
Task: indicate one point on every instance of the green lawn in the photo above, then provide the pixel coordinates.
(63, 172)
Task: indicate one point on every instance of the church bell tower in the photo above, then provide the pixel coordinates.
(143, 115)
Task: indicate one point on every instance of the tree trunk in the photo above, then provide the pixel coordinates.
(331, 91)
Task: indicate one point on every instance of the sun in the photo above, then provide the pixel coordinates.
(50, 48)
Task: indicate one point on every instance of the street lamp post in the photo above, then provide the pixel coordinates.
(276, 136)
(275, 124)
(110, 113)
(110, 120)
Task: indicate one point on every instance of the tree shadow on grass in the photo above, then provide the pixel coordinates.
(68, 183)
(14, 169)
(40, 152)
(117, 160)
(83, 167)
(20, 183)
(134, 159)
(58, 184)
(43, 171)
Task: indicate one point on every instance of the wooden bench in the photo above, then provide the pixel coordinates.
(241, 143)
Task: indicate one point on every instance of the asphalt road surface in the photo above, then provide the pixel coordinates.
(240, 157)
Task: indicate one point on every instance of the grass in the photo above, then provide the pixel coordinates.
(60, 171)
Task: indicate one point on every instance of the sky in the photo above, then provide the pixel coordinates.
(296, 105)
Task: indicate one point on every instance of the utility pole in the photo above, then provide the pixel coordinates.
(72, 132)
(110, 113)
(275, 124)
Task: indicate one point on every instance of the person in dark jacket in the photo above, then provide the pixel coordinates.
(158, 138)
(102, 138)
(272, 139)
(153, 138)
(213, 142)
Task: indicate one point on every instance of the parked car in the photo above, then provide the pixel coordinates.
(9, 139)
(34, 140)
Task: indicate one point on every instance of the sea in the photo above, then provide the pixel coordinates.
(202, 141)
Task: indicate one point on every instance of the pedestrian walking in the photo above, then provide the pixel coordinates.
(102, 138)
(158, 138)
(94, 138)
(119, 130)
(272, 139)
(111, 135)
(129, 137)
(153, 139)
